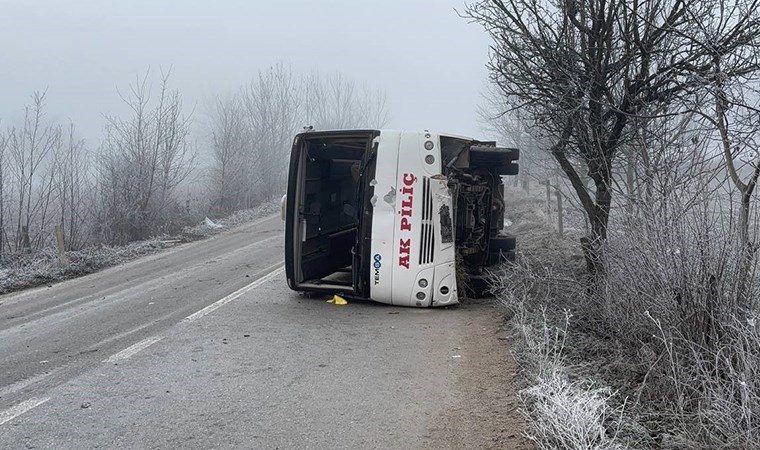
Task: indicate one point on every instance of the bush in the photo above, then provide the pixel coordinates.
(665, 332)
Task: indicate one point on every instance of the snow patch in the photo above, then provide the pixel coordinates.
(211, 224)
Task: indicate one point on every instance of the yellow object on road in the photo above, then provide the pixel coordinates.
(338, 300)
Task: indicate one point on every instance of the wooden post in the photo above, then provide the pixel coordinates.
(549, 203)
(61, 249)
(26, 245)
(560, 225)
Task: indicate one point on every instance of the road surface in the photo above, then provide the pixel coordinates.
(203, 346)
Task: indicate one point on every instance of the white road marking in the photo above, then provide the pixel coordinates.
(145, 343)
(129, 351)
(278, 269)
(21, 408)
(23, 384)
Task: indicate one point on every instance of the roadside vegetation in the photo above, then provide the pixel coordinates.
(638, 313)
(25, 270)
(69, 207)
(656, 356)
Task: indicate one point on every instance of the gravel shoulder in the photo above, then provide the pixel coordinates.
(484, 411)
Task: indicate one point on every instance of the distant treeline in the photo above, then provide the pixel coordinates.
(126, 187)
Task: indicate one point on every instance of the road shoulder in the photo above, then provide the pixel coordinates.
(484, 412)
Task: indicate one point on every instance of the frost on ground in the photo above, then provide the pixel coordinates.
(20, 271)
(656, 354)
(566, 408)
(209, 227)
(565, 411)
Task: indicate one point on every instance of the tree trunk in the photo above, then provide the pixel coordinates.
(597, 210)
(26, 245)
(747, 250)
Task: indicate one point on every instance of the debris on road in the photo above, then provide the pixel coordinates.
(337, 300)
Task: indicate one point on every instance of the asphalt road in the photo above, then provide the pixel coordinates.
(203, 346)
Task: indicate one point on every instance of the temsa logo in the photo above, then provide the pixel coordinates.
(377, 264)
(405, 245)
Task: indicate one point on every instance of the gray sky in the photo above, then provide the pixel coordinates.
(429, 61)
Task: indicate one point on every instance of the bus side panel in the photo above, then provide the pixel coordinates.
(384, 217)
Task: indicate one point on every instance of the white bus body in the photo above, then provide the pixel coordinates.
(387, 215)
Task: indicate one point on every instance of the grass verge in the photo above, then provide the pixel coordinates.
(25, 270)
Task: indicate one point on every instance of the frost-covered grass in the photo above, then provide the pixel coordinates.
(566, 407)
(20, 271)
(657, 354)
(209, 227)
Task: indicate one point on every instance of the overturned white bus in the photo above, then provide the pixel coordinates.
(389, 215)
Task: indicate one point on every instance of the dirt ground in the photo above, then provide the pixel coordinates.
(485, 413)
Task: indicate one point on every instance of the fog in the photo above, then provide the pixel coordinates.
(429, 61)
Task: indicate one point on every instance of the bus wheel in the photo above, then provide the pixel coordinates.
(503, 243)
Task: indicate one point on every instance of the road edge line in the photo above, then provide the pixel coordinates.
(133, 349)
(272, 272)
(15, 411)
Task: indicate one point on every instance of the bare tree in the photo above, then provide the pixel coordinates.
(252, 132)
(513, 130)
(28, 148)
(72, 184)
(231, 169)
(336, 102)
(143, 159)
(3, 145)
(581, 70)
(737, 121)
(271, 104)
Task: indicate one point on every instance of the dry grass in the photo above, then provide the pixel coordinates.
(25, 270)
(662, 355)
(566, 409)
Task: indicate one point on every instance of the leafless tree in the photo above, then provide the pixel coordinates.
(143, 159)
(581, 70)
(29, 147)
(736, 118)
(3, 145)
(336, 102)
(271, 104)
(72, 186)
(231, 170)
(512, 130)
(252, 132)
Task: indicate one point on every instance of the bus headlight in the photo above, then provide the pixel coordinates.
(423, 283)
(420, 296)
(429, 145)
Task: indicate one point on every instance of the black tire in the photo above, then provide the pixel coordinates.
(489, 157)
(479, 287)
(495, 258)
(502, 244)
(510, 169)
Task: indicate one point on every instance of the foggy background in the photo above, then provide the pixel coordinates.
(429, 61)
